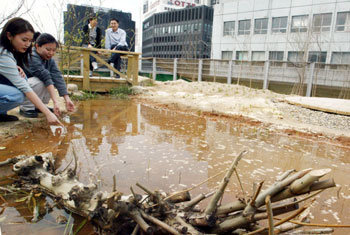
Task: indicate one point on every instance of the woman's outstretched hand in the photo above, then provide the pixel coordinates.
(53, 120)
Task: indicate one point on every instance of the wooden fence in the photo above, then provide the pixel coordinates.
(71, 55)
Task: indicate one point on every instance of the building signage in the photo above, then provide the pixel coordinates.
(180, 3)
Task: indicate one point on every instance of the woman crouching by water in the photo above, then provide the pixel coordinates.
(44, 76)
(15, 47)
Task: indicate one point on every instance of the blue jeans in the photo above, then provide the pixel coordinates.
(10, 97)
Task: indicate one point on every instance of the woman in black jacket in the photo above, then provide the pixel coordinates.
(92, 39)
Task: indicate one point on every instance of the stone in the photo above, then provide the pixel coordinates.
(72, 88)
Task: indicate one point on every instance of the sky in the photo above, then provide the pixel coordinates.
(47, 15)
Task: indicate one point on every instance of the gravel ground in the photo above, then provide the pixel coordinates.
(232, 100)
(314, 117)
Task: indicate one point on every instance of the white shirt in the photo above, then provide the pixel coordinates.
(115, 38)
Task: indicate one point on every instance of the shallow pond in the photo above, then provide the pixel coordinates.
(171, 151)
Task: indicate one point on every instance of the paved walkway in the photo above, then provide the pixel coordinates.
(332, 105)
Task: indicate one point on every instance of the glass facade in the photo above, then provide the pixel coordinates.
(184, 33)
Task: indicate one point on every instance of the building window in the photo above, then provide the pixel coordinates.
(260, 26)
(241, 55)
(229, 28)
(300, 23)
(317, 56)
(226, 55)
(258, 56)
(276, 55)
(295, 56)
(343, 21)
(279, 24)
(145, 7)
(322, 22)
(340, 58)
(244, 27)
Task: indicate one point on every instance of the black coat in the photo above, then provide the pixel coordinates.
(86, 31)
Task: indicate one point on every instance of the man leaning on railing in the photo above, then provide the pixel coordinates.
(115, 40)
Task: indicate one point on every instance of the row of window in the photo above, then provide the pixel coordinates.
(182, 55)
(179, 39)
(300, 23)
(183, 39)
(190, 47)
(180, 28)
(293, 56)
(194, 13)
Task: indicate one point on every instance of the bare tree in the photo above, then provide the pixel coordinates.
(302, 43)
(20, 8)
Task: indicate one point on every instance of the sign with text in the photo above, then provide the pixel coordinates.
(181, 3)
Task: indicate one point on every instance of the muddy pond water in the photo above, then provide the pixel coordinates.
(170, 151)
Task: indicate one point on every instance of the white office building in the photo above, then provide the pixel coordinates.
(151, 7)
(288, 30)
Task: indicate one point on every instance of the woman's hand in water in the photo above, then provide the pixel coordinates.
(69, 104)
(21, 72)
(53, 120)
(56, 110)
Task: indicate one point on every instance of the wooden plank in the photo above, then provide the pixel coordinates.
(130, 64)
(97, 84)
(102, 50)
(330, 105)
(100, 60)
(135, 70)
(86, 70)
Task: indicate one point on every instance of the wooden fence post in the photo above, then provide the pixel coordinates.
(135, 72)
(130, 67)
(86, 70)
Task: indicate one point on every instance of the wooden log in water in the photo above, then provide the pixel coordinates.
(179, 197)
(211, 208)
(112, 212)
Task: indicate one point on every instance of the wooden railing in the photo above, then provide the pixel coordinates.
(70, 55)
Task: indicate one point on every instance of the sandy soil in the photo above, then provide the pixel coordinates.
(234, 101)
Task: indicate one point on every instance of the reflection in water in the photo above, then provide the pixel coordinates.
(171, 151)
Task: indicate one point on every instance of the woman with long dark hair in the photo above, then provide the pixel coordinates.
(15, 48)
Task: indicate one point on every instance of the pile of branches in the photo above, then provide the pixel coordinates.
(157, 213)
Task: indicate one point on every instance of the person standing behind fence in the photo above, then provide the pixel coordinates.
(15, 48)
(44, 76)
(115, 40)
(91, 39)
